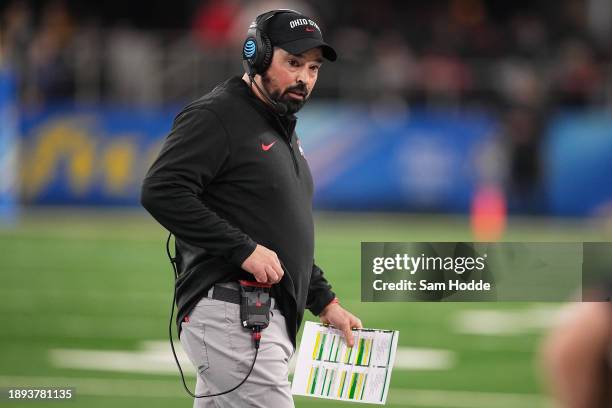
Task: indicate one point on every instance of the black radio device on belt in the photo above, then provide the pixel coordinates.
(255, 305)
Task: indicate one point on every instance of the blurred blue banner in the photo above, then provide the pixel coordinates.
(89, 156)
(578, 164)
(8, 147)
(396, 159)
(361, 159)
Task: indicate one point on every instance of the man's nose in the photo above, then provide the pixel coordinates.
(302, 76)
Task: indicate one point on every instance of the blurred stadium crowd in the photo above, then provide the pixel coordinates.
(524, 60)
(535, 54)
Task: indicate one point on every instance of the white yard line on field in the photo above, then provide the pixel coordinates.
(412, 358)
(155, 357)
(507, 322)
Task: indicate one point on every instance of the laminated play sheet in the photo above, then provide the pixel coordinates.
(328, 368)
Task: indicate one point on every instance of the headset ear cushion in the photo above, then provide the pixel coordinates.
(267, 53)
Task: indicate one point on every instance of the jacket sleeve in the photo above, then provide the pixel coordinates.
(192, 155)
(319, 291)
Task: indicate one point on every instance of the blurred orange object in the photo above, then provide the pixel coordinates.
(488, 213)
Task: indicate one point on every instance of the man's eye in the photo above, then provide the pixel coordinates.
(294, 63)
(315, 68)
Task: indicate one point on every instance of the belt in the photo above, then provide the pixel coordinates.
(229, 292)
(224, 293)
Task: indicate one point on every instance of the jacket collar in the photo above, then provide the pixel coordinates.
(286, 123)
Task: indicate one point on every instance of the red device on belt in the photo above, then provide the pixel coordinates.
(255, 305)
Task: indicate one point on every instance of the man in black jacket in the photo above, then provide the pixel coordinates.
(232, 184)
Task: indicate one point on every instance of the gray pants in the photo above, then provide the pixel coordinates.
(222, 352)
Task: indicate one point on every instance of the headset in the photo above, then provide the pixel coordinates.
(257, 52)
(257, 49)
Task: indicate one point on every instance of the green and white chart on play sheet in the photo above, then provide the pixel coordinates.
(328, 368)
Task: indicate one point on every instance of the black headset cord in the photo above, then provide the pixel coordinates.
(279, 108)
(256, 336)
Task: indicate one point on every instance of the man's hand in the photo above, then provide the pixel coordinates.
(264, 265)
(341, 319)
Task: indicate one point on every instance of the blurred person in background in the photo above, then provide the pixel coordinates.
(577, 357)
(51, 55)
(232, 184)
(577, 354)
(523, 130)
(16, 34)
(578, 77)
(212, 24)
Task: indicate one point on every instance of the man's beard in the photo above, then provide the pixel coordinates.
(291, 104)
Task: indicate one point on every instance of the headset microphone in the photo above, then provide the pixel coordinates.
(280, 108)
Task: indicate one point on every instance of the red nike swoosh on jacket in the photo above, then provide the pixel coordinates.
(265, 148)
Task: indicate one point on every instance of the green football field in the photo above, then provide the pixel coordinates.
(85, 298)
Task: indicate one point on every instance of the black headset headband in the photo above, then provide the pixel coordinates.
(257, 49)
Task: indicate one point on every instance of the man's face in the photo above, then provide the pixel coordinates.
(290, 78)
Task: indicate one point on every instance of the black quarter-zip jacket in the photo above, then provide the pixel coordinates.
(231, 175)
